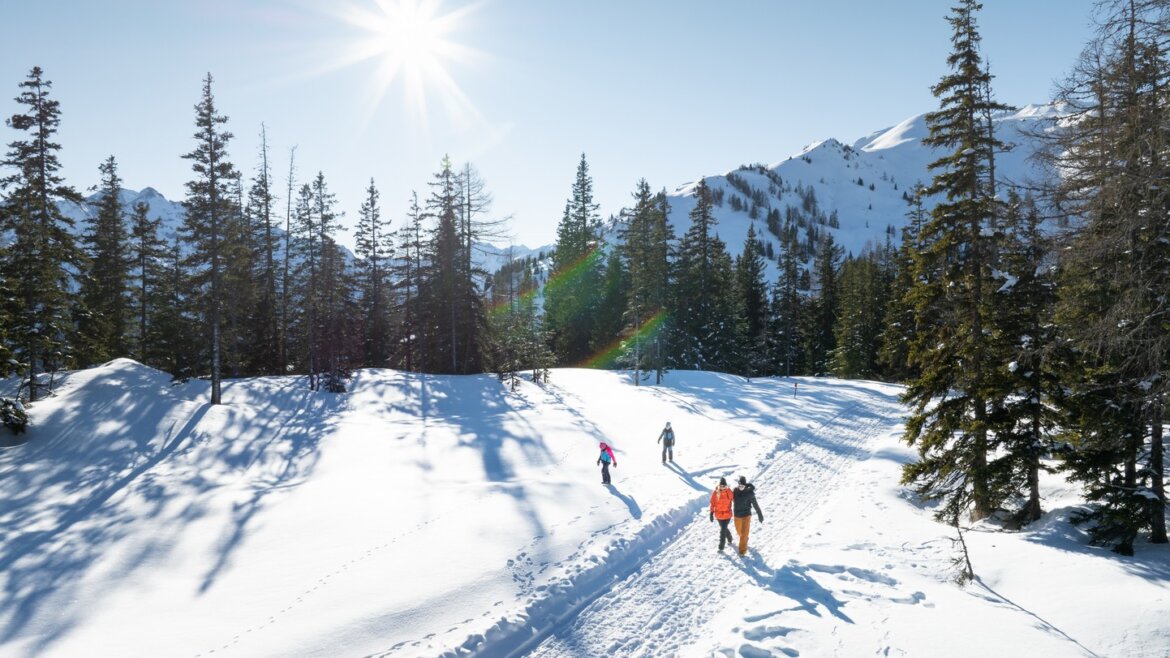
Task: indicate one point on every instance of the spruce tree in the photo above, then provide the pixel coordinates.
(786, 341)
(209, 209)
(452, 312)
(41, 257)
(147, 253)
(571, 295)
(102, 328)
(1113, 269)
(646, 253)
(705, 330)
(862, 293)
(952, 282)
(823, 306)
(374, 250)
(265, 331)
(407, 277)
(752, 293)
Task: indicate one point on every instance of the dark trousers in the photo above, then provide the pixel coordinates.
(667, 448)
(724, 534)
(605, 472)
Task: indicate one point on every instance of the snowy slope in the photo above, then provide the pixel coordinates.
(427, 516)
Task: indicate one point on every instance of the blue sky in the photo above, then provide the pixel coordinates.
(667, 91)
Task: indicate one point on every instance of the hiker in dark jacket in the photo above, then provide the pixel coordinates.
(666, 437)
(744, 500)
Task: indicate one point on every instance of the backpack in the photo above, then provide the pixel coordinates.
(668, 437)
(605, 456)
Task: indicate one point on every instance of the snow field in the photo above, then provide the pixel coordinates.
(447, 516)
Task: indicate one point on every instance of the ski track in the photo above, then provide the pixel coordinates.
(664, 611)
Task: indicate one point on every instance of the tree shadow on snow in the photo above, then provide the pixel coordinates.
(792, 581)
(480, 411)
(119, 472)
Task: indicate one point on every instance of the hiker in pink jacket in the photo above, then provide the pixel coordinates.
(605, 460)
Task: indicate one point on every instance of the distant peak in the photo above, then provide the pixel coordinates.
(149, 193)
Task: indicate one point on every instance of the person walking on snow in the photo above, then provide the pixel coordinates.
(666, 438)
(721, 502)
(744, 500)
(605, 460)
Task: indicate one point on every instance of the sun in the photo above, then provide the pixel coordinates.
(412, 44)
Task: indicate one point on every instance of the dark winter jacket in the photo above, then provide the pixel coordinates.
(666, 437)
(745, 500)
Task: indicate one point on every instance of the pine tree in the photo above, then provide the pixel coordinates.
(755, 314)
(374, 250)
(407, 277)
(265, 330)
(1023, 419)
(788, 308)
(571, 295)
(705, 331)
(862, 293)
(40, 260)
(209, 209)
(952, 275)
(612, 300)
(146, 252)
(899, 326)
(102, 328)
(823, 307)
(646, 253)
(1114, 271)
(452, 313)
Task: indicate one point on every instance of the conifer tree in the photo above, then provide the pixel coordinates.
(862, 293)
(823, 306)
(788, 308)
(755, 314)
(209, 209)
(612, 300)
(1024, 419)
(266, 333)
(41, 258)
(571, 295)
(1113, 269)
(646, 252)
(900, 323)
(454, 319)
(102, 328)
(952, 282)
(407, 276)
(706, 329)
(146, 253)
(374, 249)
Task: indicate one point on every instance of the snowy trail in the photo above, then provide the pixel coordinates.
(662, 609)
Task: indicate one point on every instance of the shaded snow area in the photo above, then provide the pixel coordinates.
(447, 516)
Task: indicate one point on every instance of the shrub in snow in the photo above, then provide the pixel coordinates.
(13, 414)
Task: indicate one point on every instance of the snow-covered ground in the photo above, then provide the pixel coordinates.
(429, 516)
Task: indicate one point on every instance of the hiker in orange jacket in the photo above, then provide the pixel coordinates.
(721, 500)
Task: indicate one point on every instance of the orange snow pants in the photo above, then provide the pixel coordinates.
(743, 525)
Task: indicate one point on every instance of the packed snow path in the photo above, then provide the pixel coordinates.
(664, 608)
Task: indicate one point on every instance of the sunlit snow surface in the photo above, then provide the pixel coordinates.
(426, 516)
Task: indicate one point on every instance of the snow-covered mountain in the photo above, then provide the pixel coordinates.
(856, 191)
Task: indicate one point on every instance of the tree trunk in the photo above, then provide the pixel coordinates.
(1157, 471)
